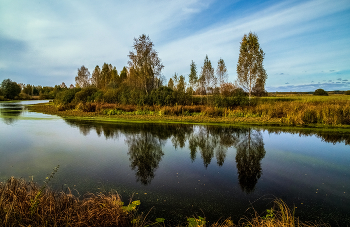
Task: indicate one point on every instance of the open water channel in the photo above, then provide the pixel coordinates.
(183, 170)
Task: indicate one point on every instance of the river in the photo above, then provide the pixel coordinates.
(178, 171)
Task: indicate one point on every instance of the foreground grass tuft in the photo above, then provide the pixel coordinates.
(279, 215)
(58, 208)
(64, 209)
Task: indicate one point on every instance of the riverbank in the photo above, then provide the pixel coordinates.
(262, 115)
(24, 203)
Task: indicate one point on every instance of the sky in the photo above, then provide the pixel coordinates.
(306, 42)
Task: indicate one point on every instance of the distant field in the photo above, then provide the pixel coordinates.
(305, 98)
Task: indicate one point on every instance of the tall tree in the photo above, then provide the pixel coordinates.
(114, 81)
(171, 84)
(250, 67)
(83, 77)
(105, 77)
(146, 64)
(123, 75)
(192, 77)
(207, 78)
(221, 72)
(95, 78)
(181, 85)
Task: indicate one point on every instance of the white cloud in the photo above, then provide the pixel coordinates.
(299, 39)
(276, 27)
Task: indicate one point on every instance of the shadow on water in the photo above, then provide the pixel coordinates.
(10, 112)
(146, 141)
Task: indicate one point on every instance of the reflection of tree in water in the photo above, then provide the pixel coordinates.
(10, 112)
(212, 141)
(250, 151)
(326, 136)
(145, 152)
(179, 134)
(145, 143)
(206, 145)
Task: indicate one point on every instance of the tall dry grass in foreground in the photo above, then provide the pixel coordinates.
(279, 215)
(25, 204)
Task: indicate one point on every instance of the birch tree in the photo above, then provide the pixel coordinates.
(250, 69)
(146, 64)
(83, 77)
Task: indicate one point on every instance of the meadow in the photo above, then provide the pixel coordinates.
(285, 110)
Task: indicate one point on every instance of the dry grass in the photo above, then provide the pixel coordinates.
(321, 111)
(300, 113)
(278, 216)
(23, 204)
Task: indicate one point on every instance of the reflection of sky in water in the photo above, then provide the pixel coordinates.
(296, 169)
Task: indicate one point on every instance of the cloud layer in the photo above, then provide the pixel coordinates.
(45, 42)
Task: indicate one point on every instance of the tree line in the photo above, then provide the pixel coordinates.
(10, 90)
(142, 83)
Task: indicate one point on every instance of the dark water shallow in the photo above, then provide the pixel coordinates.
(182, 170)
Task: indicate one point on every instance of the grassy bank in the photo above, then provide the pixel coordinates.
(299, 111)
(26, 204)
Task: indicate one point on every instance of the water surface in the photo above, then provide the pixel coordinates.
(183, 170)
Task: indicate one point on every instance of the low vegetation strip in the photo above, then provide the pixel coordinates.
(329, 113)
(26, 204)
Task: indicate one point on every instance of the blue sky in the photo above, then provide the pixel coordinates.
(306, 43)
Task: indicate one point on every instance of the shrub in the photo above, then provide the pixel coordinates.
(111, 96)
(67, 96)
(162, 96)
(86, 107)
(227, 89)
(239, 92)
(24, 96)
(347, 92)
(96, 97)
(47, 95)
(10, 89)
(320, 92)
(85, 94)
